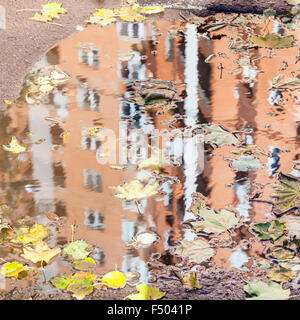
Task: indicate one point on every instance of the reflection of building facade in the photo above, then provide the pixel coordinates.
(69, 181)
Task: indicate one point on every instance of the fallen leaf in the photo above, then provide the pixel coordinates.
(281, 275)
(219, 135)
(14, 146)
(102, 17)
(14, 270)
(279, 82)
(53, 9)
(77, 249)
(215, 222)
(269, 230)
(84, 265)
(287, 193)
(246, 163)
(190, 282)
(136, 190)
(250, 149)
(152, 9)
(147, 293)
(40, 252)
(198, 202)
(34, 235)
(196, 250)
(130, 14)
(114, 279)
(272, 40)
(260, 290)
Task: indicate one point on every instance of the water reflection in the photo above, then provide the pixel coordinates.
(69, 181)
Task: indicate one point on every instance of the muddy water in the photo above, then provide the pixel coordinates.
(61, 172)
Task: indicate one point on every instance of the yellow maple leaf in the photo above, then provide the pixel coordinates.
(33, 235)
(40, 252)
(102, 17)
(135, 190)
(52, 10)
(14, 146)
(146, 293)
(130, 14)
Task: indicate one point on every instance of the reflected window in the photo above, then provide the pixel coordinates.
(94, 219)
(92, 180)
(99, 256)
(90, 143)
(89, 56)
(134, 69)
(59, 174)
(131, 31)
(87, 98)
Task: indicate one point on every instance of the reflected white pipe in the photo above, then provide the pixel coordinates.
(191, 111)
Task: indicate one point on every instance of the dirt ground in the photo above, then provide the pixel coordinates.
(24, 42)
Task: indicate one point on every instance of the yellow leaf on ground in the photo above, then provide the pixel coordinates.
(114, 279)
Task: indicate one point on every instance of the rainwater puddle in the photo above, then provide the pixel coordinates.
(89, 133)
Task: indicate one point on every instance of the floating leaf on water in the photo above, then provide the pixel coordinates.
(269, 230)
(260, 290)
(215, 222)
(61, 282)
(136, 190)
(146, 293)
(8, 102)
(34, 235)
(197, 250)
(219, 135)
(80, 284)
(152, 163)
(253, 19)
(272, 40)
(246, 163)
(250, 149)
(279, 82)
(292, 264)
(281, 275)
(280, 253)
(84, 265)
(198, 202)
(190, 282)
(81, 288)
(114, 279)
(14, 146)
(77, 249)
(287, 193)
(40, 253)
(14, 270)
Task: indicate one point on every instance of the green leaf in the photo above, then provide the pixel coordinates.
(77, 249)
(287, 195)
(281, 254)
(246, 163)
(214, 222)
(61, 282)
(84, 265)
(219, 135)
(269, 230)
(272, 40)
(197, 250)
(260, 290)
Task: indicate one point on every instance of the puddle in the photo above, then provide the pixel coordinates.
(64, 170)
